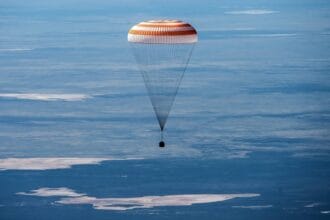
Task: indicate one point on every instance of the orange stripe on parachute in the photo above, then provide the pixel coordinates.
(160, 25)
(162, 33)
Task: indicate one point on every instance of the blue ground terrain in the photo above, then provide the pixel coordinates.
(252, 115)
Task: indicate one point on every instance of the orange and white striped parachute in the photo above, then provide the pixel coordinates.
(162, 32)
(162, 49)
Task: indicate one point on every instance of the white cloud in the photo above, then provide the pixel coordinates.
(273, 35)
(238, 154)
(46, 192)
(251, 12)
(151, 201)
(253, 206)
(14, 49)
(309, 154)
(45, 97)
(325, 212)
(73, 198)
(48, 163)
(312, 205)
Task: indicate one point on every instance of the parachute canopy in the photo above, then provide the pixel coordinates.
(162, 32)
(162, 48)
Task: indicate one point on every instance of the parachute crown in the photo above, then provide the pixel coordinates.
(162, 32)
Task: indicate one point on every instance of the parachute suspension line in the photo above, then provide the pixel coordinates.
(183, 72)
(162, 68)
(161, 134)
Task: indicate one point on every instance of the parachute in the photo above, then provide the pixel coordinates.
(162, 49)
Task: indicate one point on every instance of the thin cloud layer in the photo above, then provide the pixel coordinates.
(47, 192)
(274, 35)
(312, 205)
(150, 201)
(121, 204)
(253, 206)
(45, 97)
(15, 49)
(45, 163)
(251, 12)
